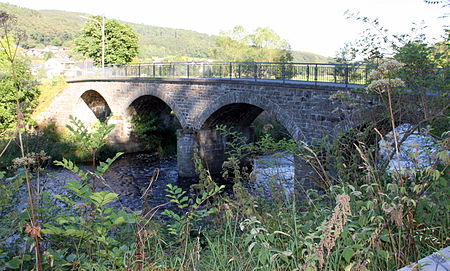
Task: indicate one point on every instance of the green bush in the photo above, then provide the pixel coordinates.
(154, 135)
(57, 144)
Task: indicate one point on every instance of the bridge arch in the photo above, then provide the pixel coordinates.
(246, 108)
(304, 109)
(91, 106)
(150, 92)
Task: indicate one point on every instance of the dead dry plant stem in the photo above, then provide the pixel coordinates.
(323, 175)
(391, 114)
(332, 230)
(94, 178)
(152, 179)
(424, 104)
(34, 231)
(6, 147)
(33, 216)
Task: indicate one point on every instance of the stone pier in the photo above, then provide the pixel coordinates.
(211, 146)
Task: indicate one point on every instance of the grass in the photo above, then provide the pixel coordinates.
(49, 91)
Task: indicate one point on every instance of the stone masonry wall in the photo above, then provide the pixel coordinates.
(305, 110)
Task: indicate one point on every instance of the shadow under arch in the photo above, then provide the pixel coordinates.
(97, 104)
(169, 102)
(238, 113)
(156, 124)
(243, 110)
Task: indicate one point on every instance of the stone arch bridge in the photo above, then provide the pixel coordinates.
(304, 109)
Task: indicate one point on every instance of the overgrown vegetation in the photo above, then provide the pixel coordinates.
(48, 91)
(18, 90)
(154, 134)
(360, 214)
(56, 143)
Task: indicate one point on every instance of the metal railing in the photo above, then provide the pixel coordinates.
(257, 71)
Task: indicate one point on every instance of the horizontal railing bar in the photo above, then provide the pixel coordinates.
(245, 62)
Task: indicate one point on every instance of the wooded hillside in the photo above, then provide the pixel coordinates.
(59, 28)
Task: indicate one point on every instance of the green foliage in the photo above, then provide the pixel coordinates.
(49, 27)
(161, 42)
(345, 150)
(45, 27)
(153, 133)
(88, 230)
(121, 43)
(263, 45)
(194, 212)
(89, 140)
(265, 124)
(363, 218)
(9, 218)
(48, 91)
(18, 89)
(377, 233)
(387, 225)
(261, 244)
(182, 225)
(57, 144)
(425, 68)
(376, 43)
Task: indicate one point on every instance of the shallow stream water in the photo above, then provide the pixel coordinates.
(131, 174)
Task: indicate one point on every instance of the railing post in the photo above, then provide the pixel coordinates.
(315, 73)
(187, 70)
(367, 74)
(335, 74)
(255, 70)
(139, 70)
(220, 70)
(307, 72)
(283, 72)
(231, 70)
(239, 71)
(346, 75)
(126, 71)
(154, 70)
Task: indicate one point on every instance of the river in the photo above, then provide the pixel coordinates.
(130, 177)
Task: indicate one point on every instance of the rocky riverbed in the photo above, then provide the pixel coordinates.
(141, 179)
(129, 176)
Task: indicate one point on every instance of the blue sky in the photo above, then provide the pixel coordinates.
(317, 26)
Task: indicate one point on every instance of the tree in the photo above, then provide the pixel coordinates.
(262, 45)
(121, 43)
(13, 99)
(18, 90)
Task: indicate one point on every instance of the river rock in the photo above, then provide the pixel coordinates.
(416, 152)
